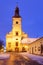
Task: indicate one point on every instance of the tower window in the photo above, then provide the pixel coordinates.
(16, 43)
(16, 22)
(17, 33)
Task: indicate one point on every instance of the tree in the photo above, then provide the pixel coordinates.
(1, 44)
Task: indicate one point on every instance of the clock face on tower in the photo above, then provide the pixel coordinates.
(16, 22)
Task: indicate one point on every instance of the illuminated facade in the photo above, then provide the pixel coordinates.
(13, 38)
(17, 40)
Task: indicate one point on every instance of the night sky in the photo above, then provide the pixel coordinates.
(31, 12)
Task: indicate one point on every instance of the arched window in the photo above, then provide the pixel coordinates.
(16, 43)
(16, 33)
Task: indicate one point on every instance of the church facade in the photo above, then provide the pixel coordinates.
(13, 38)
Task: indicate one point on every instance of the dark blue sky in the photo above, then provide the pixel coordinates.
(32, 17)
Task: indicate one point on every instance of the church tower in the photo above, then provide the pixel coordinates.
(13, 38)
(17, 29)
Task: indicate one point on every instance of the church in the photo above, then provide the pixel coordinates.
(13, 38)
(18, 41)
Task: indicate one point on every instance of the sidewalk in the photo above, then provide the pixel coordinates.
(39, 59)
(4, 56)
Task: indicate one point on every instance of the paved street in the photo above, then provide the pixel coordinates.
(17, 59)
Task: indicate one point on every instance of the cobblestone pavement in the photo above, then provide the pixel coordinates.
(17, 59)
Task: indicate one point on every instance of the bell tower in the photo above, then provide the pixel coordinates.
(16, 22)
(16, 28)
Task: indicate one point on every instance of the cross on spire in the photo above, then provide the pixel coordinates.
(16, 3)
(16, 15)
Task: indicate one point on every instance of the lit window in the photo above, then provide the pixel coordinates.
(38, 48)
(17, 33)
(35, 49)
(16, 43)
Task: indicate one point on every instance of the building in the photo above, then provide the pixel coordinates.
(36, 47)
(18, 41)
(13, 38)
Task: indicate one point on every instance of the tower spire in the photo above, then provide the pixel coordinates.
(16, 15)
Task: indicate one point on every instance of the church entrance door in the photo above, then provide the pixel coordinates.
(16, 49)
